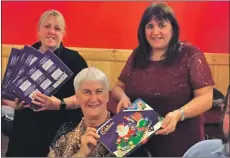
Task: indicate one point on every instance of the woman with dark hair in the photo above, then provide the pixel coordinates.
(171, 76)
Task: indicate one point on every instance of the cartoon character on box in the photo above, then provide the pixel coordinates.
(131, 135)
(141, 105)
(142, 128)
(137, 106)
(124, 133)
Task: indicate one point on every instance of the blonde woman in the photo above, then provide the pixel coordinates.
(34, 131)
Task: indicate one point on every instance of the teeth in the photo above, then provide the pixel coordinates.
(93, 106)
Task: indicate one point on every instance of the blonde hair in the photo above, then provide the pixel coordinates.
(90, 74)
(54, 13)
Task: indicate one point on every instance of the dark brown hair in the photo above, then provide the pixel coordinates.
(142, 53)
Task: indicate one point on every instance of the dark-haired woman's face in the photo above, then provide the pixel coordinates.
(158, 34)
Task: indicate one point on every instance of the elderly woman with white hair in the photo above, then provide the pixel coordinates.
(92, 92)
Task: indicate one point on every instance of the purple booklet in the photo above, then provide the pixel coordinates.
(127, 130)
(8, 76)
(46, 75)
(26, 58)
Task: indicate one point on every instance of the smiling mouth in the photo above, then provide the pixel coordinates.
(52, 38)
(156, 38)
(93, 106)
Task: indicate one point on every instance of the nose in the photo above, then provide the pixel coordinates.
(93, 97)
(51, 31)
(156, 30)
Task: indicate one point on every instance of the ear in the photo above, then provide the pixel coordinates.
(76, 95)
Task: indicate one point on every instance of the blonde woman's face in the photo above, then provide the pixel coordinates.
(51, 33)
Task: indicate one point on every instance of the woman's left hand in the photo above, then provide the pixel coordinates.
(169, 123)
(46, 102)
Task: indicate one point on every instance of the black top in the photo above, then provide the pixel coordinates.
(33, 131)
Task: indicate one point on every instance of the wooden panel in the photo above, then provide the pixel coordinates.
(103, 66)
(89, 62)
(112, 61)
(221, 77)
(116, 67)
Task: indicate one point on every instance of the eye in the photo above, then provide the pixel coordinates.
(149, 26)
(161, 25)
(47, 26)
(99, 91)
(86, 92)
(57, 29)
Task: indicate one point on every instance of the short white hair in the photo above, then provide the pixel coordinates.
(90, 74)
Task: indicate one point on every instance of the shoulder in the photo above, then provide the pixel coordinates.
(189, 50)
(57, 148)
(73, 60)
(71, 53)
(132, 54)
(203, 148)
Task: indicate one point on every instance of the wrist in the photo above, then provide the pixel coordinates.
(79, 154)
(58, 104)
(62, 105)
(178, 114)
(181, 116)
(124, 96)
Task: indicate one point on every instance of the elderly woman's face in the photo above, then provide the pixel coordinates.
(158, 33)
(51, 32)
(93, 98)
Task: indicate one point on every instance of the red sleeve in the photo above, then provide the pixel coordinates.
(126, 72)
(199, 71)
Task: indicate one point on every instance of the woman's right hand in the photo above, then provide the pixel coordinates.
(123, 103)
(15, 104)
(88, 141)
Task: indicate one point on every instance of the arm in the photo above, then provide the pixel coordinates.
(78, 154)
(200, 79)
(119, 94)
(53, 103)
(71, 102)
(16, 104)
(118, 90)
(201, 102)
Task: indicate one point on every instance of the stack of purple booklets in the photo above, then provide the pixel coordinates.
(129, 129)
(28, 71)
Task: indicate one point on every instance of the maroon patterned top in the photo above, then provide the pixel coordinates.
(169, 88)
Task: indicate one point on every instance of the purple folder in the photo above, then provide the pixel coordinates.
(129, 129)
(9, 74)
(46, 75)
(26, 58)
